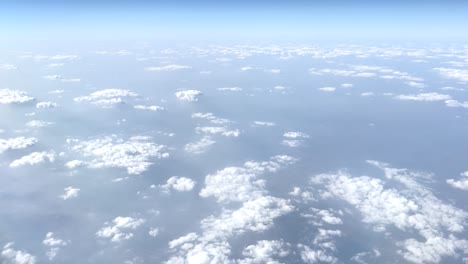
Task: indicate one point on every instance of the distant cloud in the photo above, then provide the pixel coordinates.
(327, 89)
(461, 184)
(172, 67)
(457, 74)
(8, 96)
(16, 143)
(54, 245)
(45, 105)
(70, 192)
(149, 107)
(232, 89)
(218, 130)
(38, 123)
(33, 159)
(120, 228)
(200, 146)
(188, 95)
(263, 123)
(107, 98)
(212, 118)
(8, 67)
(180, 184)
(427, 97)
(13, 256)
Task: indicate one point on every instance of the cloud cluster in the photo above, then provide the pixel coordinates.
(70, 192)
(54, 245)
(17, 256)
(294, 139)
(461, 184)
(107, 97)
(425, 97)
(16, 143)
(188, 95)
(110, 151)
(457, 74)
(33, 159)
(200, 146)
(120, 228)
(414, 207)
(180, 184)
(8, 96)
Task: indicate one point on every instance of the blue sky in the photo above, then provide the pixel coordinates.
(233, 20)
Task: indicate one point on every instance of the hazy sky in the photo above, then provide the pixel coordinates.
(234, 20)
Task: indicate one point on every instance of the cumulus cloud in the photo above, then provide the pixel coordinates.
(16, 143)
(134, 154)
(461, 184)
(455, 103)
(457, 74)
(54, 245)
(16, 256)
(200, 146)
(154, 231)
(212, 118)
(293, 139)
(180, 184)
(33, 159)
(172, 67)
(107, 97)
(425, 97)
(8, 96)
(414, 207)
(120, 228)
(188, 95)
(70, 192)
(265, 251)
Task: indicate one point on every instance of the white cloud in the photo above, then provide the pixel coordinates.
(150, 107)
(263, 123)
(200, 146)
(366, 94)
(455, 103)
(13, 256)
(426, 97)
(172, 67)
(54, 245)
(72, 164)
(33, 159)
(154, 232)
(211, 117)
(232, 89)
(44, 105)
(218, 130)
(120, 228)
(38, 123)
(16, 143)
(107, 97)
(293, 143)
(8, 67)
(295, 135)
(347, 85)
(180, 184)
(8, 96)
(70, 192)
(416, 84)
(327, 89)
(265, 251)
(461, 184)
(134, 154)
(188, 95)
(411, 208)
(309, 255)
(457, 74)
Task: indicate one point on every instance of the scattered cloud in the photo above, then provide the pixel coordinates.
(120, 228)
(461, 184)
(180, 184)
(33, 159)
(200, 146)
(13, 256)
(107, 97)
(16, 143)
(188, 95)
(8, 96)
(425, 97)
(70, 192)
(172, 67)
(54, 245)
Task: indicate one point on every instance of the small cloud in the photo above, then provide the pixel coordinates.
(172, 67)
(70, 192)
(180, 184)
(327, 89)
(188, 95)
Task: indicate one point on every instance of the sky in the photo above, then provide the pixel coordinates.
(234, 20)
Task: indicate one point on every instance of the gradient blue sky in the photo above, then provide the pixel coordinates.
(213, 20)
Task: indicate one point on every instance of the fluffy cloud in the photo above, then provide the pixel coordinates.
(8, 96)
(461, 184)
(54, 245)
(134, 154)
(200, 146)
(426, 97)
(70, 192)
(293, 139)
(188, 95)
(154, 232)
(33, 159)
(120, 228)
(107, 97)
(16, 256)
(172, 67)
(457, 74)
(412, 208)
(265, 251)
(16, 143)
(180, 184)
(455, 103)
